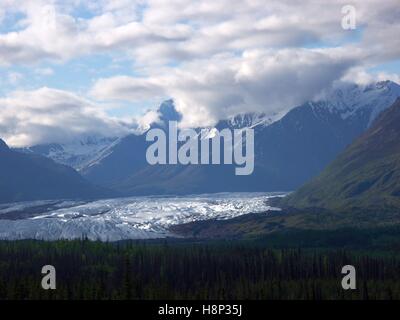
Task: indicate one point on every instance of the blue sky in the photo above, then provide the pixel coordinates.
(113, 61)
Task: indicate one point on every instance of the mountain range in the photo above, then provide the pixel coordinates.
(290, 148)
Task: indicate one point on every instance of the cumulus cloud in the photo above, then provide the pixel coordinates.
(127, 88)
(208, 90)
(48, 32)
(159, 31)
(360, 76)
(48, 115)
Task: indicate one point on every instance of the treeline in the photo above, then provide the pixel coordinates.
(133, 270)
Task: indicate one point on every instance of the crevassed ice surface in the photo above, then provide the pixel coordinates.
(124, 218)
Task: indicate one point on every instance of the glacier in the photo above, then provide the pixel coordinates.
(123, 218)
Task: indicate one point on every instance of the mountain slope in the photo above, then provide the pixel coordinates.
(26, 177)
(366, 175)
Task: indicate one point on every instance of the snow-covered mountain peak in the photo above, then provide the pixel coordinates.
(253, 119)
(348, 99)
(76, 154)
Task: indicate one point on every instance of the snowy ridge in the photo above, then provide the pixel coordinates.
(76, 154)
(253, 119)
(101, 154)
(348, 99)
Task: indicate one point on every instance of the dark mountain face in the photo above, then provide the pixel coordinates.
(301, 144)
(168, 112)
(366, 175)
(3, 145)
(26, 177)
(124, 159)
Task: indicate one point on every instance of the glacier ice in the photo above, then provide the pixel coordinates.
(123, 218)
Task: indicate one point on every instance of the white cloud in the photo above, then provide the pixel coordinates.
(208, 90)
(50, 33)
(147, 119)
(360, 76)
(160, 31)
(49, 115)
(127, 88)
(382, 76)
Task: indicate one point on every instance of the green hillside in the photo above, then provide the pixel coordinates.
(366, 175)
